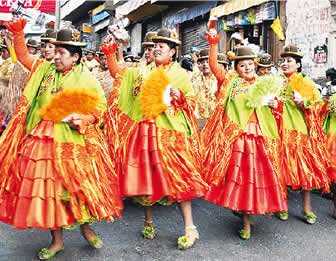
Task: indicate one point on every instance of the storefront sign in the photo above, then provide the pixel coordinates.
(268, 11)
(98, 9)
(99, 17)
(44, 6)
(87, 28)
(321, 54)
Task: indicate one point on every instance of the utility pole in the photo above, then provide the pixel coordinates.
(58, 15)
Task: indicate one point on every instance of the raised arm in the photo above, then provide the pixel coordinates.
(20, 46)
(216, 69)
(109, 51)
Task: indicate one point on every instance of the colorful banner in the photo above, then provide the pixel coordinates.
(277, 28)
(44, 6)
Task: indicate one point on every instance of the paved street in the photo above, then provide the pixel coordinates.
(271, 239)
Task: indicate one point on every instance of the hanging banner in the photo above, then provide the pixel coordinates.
(252, 15)
(226, 27)
(44, 6)
(277, 28)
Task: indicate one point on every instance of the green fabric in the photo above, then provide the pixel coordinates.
(76, 78)
(238, 111)
(131, 105)
(293, 116)
(329, 124)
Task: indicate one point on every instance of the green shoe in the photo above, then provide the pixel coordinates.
(283, 215)
(184, 242)
(148, 232)
(45, 253)
(310, 218)
(96, 242)
(243, 234)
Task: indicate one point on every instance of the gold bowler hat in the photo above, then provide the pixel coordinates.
(49, 35)
(148, 39)
(68, 36)
(291, 50)
(264, 60)
(203, 54)
(167, 36)
(32, 43)
(243, 52)
(222, 58)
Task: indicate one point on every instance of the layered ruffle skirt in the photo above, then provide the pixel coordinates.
(38, 197)
(250, 184)
(146, 176)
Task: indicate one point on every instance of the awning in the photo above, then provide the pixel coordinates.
(101, 25)
(235, 6)
(191, 13)
(129, 7)
(136, 10)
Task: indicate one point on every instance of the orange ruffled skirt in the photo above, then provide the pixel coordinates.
(144, 174)
(35, 198)
(251, 183)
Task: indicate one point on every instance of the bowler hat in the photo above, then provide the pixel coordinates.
(222, 58)
(243, 52)
(167, 36)
(148, 39)
(264, 60)
(68, 36)
(32, 43)
(291, 50)
(203, 54)
(49, 35)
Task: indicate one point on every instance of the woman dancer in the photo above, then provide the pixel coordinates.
(56, 170)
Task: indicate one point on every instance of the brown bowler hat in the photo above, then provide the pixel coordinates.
(243, 52)
(264, 60)
(32, 43)
(222, 58)
(99, 53)
(49, 35)
(291, 50)
(203, 54)
(68, 36)
(167, 36)
(148, 39)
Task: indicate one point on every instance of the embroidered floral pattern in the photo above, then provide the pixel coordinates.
(137, 85)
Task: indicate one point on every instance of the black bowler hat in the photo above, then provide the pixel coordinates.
(68, 36)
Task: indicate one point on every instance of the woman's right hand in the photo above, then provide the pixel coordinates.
(212, 37)
(16, 25)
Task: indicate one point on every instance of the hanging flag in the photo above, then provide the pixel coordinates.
(277, 28)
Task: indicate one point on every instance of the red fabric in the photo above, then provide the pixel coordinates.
(251, 183)
(143, 173)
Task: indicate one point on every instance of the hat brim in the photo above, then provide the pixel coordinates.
(222, 62)
(243, 57)
(34, 46)
(148, 44)
(79, 44)
(47, 40)
(291, 54)
(157, 39)
(265, 65)
(202, 58)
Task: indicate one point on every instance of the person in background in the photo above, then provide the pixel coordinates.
(103, 75)
(222, 61)
(205, 87)
(32, 46)
(90, 60)
(264, 64)
(187, 65)
(330, 88)
(148, 45)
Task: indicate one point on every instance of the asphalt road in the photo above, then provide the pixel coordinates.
(271, 238)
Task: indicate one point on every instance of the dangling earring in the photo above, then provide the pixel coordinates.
(74, 63)
(171, 59)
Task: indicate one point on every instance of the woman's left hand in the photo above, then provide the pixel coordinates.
(175, 93)
(273, 104)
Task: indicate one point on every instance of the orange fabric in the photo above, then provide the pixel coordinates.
(47, 170)
(20, 46)
(249, 184)
(109, 51)
(301, 168)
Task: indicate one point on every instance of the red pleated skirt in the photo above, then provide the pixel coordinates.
(144, 173)
(251, 183)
